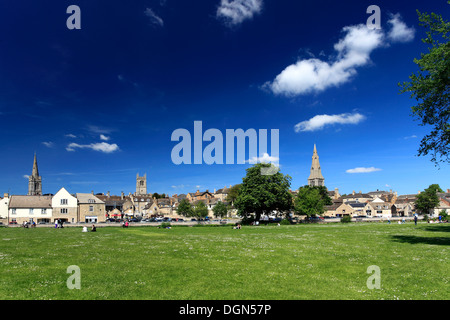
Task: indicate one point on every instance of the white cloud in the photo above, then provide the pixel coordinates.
(363, 170)
(410, 137)
(235, 12)
(48, 144)
(98, 130)
(264, 159)
(400, 32)
(352, 51)
(100, 146)
(154, 19)
(315, 75)
(104, 138)
(320, 121)
(26, 176)
(70, 135)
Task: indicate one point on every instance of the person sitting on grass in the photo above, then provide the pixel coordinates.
(93, 228)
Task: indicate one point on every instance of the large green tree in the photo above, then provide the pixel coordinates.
(311, 201)
(185, 208)
(430, 86)
(220, 209)
(262, 194)
(233, 193)
(200, 210)
(428, 199)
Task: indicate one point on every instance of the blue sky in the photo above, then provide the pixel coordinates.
(99, 104)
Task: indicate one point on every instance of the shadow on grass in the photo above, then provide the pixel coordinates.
(426, 240)
(440, 227)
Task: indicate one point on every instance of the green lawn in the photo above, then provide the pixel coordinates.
(257, 262)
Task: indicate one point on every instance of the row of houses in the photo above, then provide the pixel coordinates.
(94, 208)
(80, 207)
(381, 204)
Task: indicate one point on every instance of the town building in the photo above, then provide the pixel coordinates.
(30, 209)
(316, 178)
(141, 185)
(65, 206)
(35, 181)
(91, 209)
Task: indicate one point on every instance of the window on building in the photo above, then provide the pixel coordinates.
(91, 208)
(63, 210)
(13, 211)
(43, 211)
(91, 201)
(31, 211)
(63, 201)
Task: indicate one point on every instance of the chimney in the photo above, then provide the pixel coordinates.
(418, 192)
(448, 190)
(108, 194)
(92, 192)
(121, 195)
(5, 195)
(353, 192)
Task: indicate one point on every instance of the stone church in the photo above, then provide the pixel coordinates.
(35, 181)
(316, 178)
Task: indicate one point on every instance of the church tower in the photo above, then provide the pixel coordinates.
(141, 184)
(315, 177)
(35, 181)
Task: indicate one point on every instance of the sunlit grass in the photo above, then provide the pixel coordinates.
(256, 262)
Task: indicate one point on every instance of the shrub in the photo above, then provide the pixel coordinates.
(346, 219)
(165, 224)
(285, 221)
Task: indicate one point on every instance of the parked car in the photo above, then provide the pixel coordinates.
(13, 222)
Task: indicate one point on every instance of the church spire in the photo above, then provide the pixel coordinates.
(316, 178)
(35, 172)
(35, 181)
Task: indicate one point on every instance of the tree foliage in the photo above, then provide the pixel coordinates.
(185, 208)
(233, 193)
(261, 194)
(200, 210)
(428, 199)
(311, 201)
(431, 88)
(220, 209)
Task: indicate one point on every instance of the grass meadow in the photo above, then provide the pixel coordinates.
(316, 261)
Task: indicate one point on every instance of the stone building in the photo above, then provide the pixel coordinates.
(316, 178)
(141, 184)
(35, 181)
(30, 209)
(91, 209)
(65, 206)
